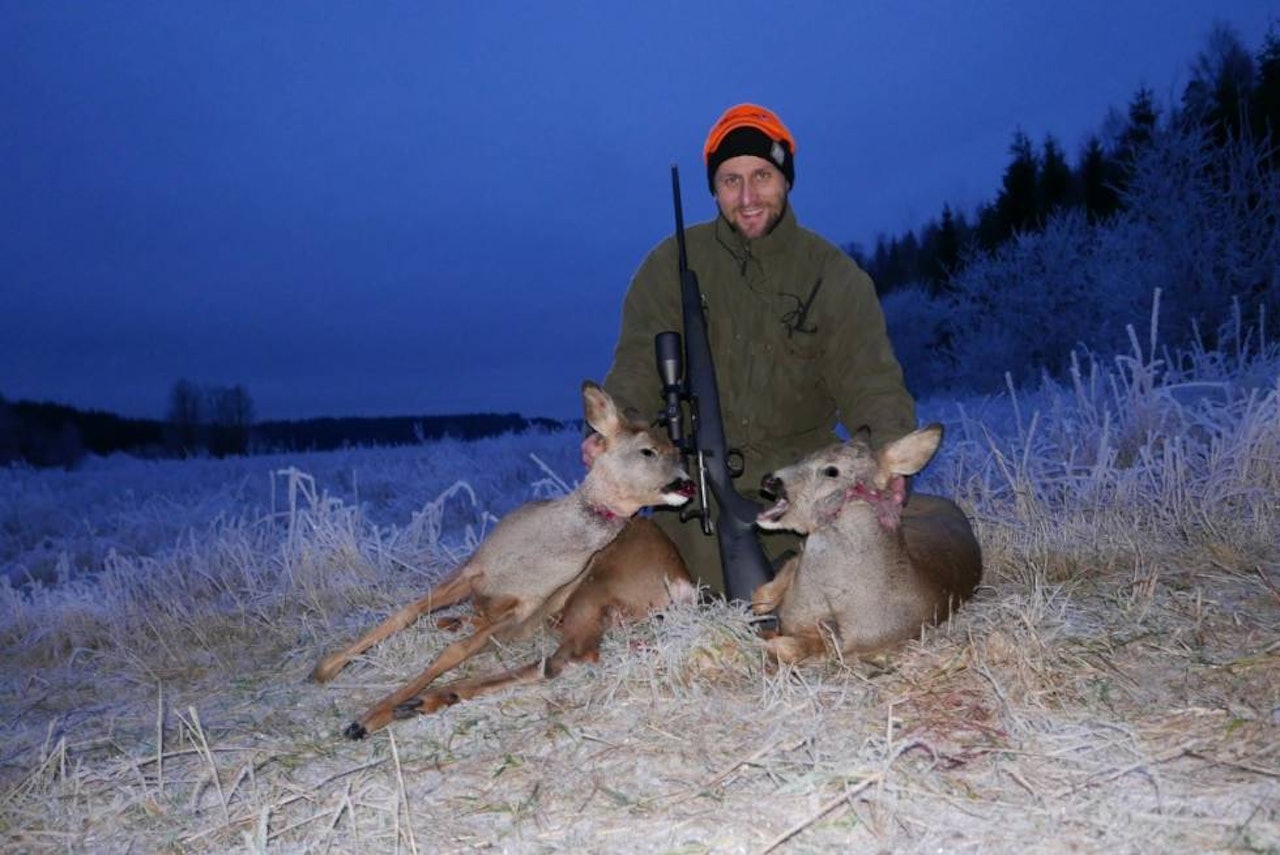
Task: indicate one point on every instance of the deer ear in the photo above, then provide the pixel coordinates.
(908, 455)
(600, 411)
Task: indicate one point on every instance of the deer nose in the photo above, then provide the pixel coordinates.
(771, 488)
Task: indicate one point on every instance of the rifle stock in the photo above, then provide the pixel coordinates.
(742, 558)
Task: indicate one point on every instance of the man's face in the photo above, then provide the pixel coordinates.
(751, 193)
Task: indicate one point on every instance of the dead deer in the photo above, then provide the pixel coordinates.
(639, 573)
(526, 569)
(872, 571)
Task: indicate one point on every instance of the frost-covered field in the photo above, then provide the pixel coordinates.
(1114, 686)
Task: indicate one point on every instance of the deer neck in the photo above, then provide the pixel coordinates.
(860, 529)
(883, 504)
(599, 502)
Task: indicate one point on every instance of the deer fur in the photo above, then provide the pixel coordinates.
(872, 571)
(525, 571)
(639, 573)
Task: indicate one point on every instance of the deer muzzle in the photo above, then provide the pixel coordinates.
(771, 488)
(683, 487)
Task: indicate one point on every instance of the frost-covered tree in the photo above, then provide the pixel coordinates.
(1222, 79)
(1197, 221)
(1206, 217)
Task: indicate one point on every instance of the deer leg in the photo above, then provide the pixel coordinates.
(464, 690)
(453, 591)
(769, 596)
(382, 713)
(460, 622)
(583, 630)
(791, 649)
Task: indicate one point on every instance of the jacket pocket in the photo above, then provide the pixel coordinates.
(794, 396)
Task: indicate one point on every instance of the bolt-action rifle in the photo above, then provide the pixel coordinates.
(714, 463)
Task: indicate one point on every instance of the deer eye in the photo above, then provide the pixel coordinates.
(831, 472)
(648, 452)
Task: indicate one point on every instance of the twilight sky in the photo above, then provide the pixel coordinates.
(415, 208)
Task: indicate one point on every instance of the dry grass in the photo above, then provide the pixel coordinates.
(1131, 711)
(1115, 686)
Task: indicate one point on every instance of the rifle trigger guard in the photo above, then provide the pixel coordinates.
(687, 513)
(735, 462)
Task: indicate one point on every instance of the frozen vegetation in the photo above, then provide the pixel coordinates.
(1115, 684)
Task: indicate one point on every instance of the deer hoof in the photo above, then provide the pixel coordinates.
(355, 730)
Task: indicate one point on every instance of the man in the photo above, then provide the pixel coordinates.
(797, 334)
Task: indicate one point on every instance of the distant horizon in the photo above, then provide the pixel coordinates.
(4, 399)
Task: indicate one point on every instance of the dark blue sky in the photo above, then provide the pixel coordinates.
(408, 208)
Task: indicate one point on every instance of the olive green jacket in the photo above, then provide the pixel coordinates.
(797, 337)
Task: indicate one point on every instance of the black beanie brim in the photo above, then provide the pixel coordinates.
(755, 142)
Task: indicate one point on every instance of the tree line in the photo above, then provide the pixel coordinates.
(218, 421)
(1192, 231)
(41, 434)
(1231, 94)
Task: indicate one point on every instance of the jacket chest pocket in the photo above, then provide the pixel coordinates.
(797, 401)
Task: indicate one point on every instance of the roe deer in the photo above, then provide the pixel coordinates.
(525, 570)
(872, 571)
(640, 572)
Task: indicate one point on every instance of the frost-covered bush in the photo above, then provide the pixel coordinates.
(1200, 223)
(1208, 218)
(916, 323)
(1025, 309)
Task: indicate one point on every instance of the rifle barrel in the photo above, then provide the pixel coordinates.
(742, 557)
(675, 190)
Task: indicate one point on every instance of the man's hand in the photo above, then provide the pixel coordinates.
(592, 446)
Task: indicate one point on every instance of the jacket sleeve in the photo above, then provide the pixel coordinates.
(651, 306)
(863, 373)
